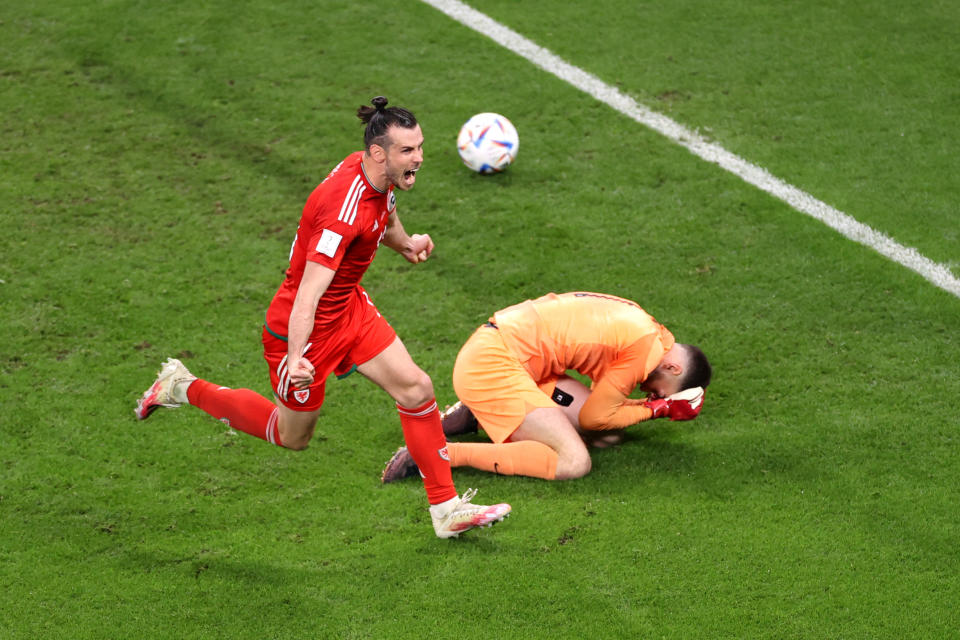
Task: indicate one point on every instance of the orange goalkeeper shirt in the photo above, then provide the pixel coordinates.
(610, 340)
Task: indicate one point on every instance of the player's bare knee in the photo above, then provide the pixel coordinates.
(297, 444)
(296, 441)
(419, 391)
(296, 431)
(582, 466)
(574, 467)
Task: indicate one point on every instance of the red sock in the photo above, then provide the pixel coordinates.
(428, 448)
(241, 409)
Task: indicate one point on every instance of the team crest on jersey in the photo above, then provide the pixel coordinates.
(301, 395)
(444, 454)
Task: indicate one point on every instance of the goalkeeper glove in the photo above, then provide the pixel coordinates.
(683, 405)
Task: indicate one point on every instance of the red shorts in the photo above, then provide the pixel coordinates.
(361, 335)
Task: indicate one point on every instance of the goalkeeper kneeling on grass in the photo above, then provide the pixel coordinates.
(510, 378)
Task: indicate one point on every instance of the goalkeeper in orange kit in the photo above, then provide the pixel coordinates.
(510, 377)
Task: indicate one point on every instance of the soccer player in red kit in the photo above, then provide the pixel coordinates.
(321, 321)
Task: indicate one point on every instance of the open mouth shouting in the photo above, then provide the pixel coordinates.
(408, 177)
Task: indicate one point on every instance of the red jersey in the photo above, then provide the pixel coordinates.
(341, 227)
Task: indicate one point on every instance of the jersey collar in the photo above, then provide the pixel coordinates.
(366, 179)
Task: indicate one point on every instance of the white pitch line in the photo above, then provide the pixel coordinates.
(847, 226)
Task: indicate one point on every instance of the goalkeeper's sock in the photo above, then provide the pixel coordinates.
(523, 458)
(241, 409)
(427, 445)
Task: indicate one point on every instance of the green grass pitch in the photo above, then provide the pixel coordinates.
(155, 160)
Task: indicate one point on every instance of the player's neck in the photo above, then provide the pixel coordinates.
(374, 172)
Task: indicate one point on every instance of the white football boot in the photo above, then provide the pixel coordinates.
(457, 515)
(167, 390)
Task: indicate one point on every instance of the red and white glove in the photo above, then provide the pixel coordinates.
(683, 405)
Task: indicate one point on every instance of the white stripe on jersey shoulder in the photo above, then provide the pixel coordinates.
(350, 197)
(356, 203)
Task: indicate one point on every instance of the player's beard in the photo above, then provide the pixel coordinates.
(654, 377)
(402, 178)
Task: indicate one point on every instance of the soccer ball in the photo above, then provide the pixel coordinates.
(488, 143)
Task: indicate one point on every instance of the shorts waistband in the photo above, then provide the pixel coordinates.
(274, 333)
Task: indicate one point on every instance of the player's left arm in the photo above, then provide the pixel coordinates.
(415, 248)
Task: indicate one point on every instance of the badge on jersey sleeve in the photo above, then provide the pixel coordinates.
(329, 242)
(391, 201)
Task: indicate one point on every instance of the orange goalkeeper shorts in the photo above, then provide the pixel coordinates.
(490, 380)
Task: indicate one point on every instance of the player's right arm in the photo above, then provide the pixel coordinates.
(316, 279)
(415, 248)
(608, 408)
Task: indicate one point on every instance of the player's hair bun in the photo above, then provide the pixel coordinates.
(378, 119)
(366, 112)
